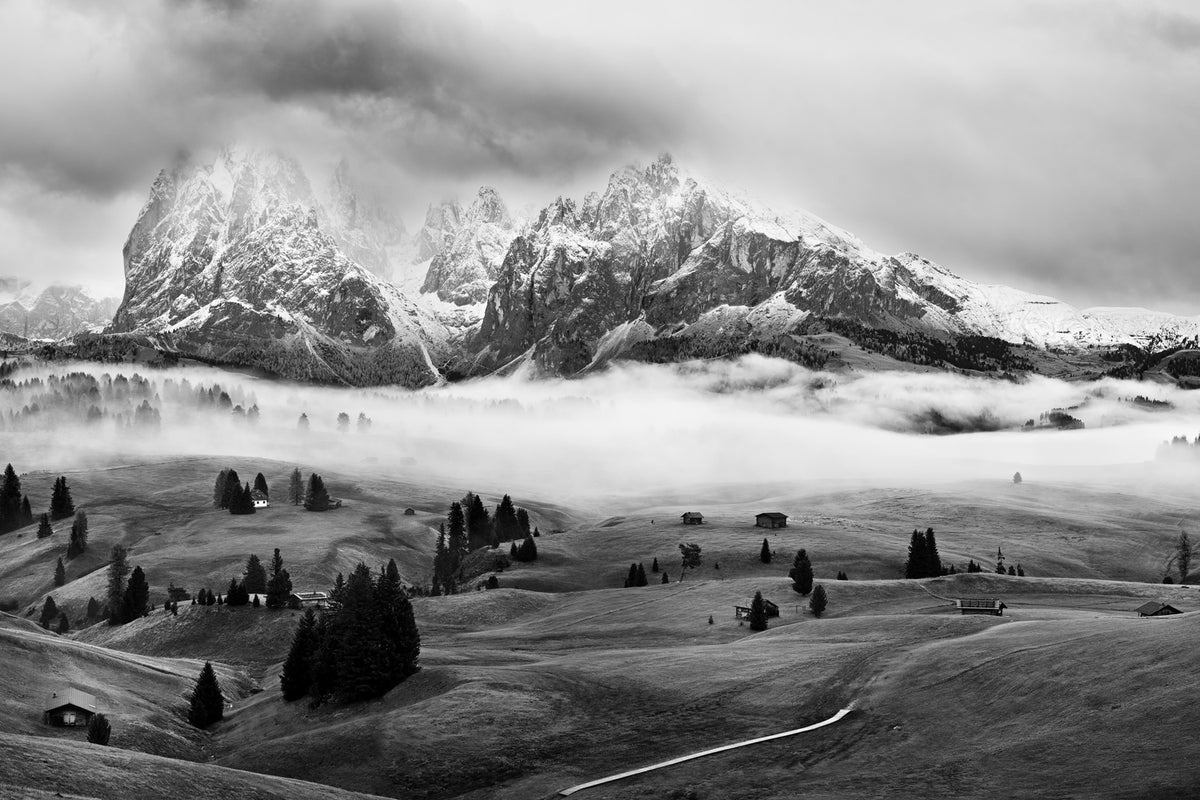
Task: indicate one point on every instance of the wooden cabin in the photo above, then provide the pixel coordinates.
(408, 512)
(989, 605)
(772, 609)
(260, 499)
(770, 519)
(1156, 609)
(306, 599)
(69, 708)
(692, 518)
(743, 612)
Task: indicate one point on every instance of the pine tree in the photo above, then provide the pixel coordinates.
(233, 488)
(61, 505)
(10, 501)
(242, 501)
(279, 587)
(296, 488)
(260, 485)
(60, 573)
(764, 555)
(26, 515)
(492, 582)
(665, 578)
(236, 594)
(654, 565)
(456, 535)
(219, 489)
(118, 568)
(343, 421)
(758, 613)
(93, 609)
(316, 498)
(802, 573)
(44, 528)
(523, 529)
(255, 576)
(528, 550)
(79, 535)
(297, 669)
(819, 601)
(1020, 572)
(137, 596)
(689, 558)
(64, 624)
(49, 612)
(478, 523)
(207, 704)
(99, 730)
(507, 527)
(932, 561)
(917, 556)
(641, 574)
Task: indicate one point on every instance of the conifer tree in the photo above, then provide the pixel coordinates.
(279, 587)
(118, 568)
(44, 528)
(478, 523)
(10, 500)
(260, 485)
(302, 423)
(523, 529)
(26, 515)
(60, 573)
(61, 505)
(137, 596)
(492, 582)
(764, 555)
(236, 594)
(528, 550)
(316, 498)
(819, 601)
(933, 561)
(758, 613)
(93, 609)
(49, 612)
(64, 624)
(665, 578)
(631, 577)
(99, 729)
(1020, 572)
(802, 573)
(689, 558)
(233, 488)
(456, 534)
(255, 576)
(641, 574)
(507, 526)
(1183, 556)
(297, 669)
(243, 501)
(296, 487)
(918, 556)
(219, 489)
(206, 703)
(79, 535)
(654, 565)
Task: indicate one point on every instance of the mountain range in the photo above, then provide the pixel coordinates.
(54, 313)
(241, 261)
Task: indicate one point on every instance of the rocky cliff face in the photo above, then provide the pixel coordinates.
(467, 247)
(231, 262)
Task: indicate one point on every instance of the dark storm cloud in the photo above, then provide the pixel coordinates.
(422, 83)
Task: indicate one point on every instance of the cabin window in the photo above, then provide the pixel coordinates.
(68, 718)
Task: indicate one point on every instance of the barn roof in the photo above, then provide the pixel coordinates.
(771, 514)
(1155, 607)
(70, 697)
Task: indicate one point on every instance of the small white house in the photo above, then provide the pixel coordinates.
(260, 500)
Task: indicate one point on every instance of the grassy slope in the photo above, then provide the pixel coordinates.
(525, 692)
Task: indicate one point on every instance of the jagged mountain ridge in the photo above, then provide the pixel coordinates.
(235, 262)
(55, 313)
(239, 262)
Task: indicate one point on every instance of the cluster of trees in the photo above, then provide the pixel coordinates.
(923, 558)
(469, 527)
(637, 576)
(980, 353)
(61, 505)
(230, 493)
(51, 614)
(689, 558)
(367, 642)
(316, 497)
(79, 397)
(127, 600)
(14, 506)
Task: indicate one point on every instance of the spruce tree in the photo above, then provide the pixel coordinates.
(528, 550)
(478, 523)
(93, 609)
(118, 568)
(631, 576)
(60, 573)
(456, 535)
(49, 612)
(296, 488)
(1183, 556)
(137, 596)
(758, 613)
(279, 587)
(802, 573)
(316, 498)
(99, 730)
(79, 535)
(933, 561)
(219, 489)
(44, 528)
(10, 500)
(523, 528)
(819, 601)
(260, 485)
(64, 624)
(917, 556)
(233, 488)
(297, 669)
(764, 554)
(243, 501)
(255, 576)
(641, 574)
(61, 505)
(206, 703)
(302, 423)
(26, 515)
(665, 578)
(654, 565)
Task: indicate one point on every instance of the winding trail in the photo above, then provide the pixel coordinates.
(723, 748)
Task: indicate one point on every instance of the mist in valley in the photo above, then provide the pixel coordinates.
(745, 425)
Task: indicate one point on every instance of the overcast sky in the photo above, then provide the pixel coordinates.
(1049, 146)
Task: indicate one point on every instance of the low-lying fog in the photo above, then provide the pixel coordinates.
(634, 429)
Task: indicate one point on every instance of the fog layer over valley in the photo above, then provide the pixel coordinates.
(682, 429)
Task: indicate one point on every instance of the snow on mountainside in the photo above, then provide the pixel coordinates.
(55, 313)
(661, 257)
(466, 247)
(230, 262)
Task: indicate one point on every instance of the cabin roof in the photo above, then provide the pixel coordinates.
(979, 602)
(70, 697)
(1155, 607)
(690, 514)
(311, 595)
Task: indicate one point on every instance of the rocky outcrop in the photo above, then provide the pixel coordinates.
(56, 312)
(467, 247)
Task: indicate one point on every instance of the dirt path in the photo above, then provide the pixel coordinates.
(572, 790)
